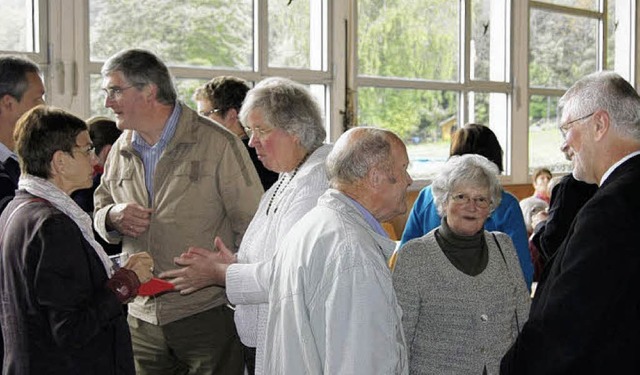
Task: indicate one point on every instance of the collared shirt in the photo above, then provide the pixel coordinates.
(5, 153)
(151, 154)
(616, 165)
(368, 217)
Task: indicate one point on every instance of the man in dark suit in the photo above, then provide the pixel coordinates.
(585, 317)
(21, 89)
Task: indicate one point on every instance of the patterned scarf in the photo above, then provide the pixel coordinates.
(45, 189)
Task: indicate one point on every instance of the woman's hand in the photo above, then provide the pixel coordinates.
(201, 268)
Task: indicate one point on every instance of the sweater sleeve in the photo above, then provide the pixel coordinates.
(405, 275)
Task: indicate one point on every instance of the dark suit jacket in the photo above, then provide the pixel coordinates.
(585, 317)
(9, 175)
(567, 198)
(58, 316)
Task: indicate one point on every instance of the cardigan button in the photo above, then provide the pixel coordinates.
(484, 317)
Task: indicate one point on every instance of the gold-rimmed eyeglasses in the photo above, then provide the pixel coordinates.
(259, 133)
(564, 128)
(115, 92)
(480, 202)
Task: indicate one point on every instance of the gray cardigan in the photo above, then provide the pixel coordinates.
(455, 323)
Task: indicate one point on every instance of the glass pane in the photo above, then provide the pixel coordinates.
(489, 40)
(213, 33)
(409, 39)
(492, 110)
(583, 4)
(545, 139)
(562, 49)
(17, 26)
(620, 55)
(423, 119)
(294, 28)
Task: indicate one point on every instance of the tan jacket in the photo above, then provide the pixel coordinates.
(205, 186)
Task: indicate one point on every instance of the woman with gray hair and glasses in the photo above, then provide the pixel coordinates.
(461, 288)
(284, 123)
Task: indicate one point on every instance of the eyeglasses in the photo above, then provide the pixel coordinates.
(259, 133)
(564, 128)
(87, 150)
(480, 202)
(115, 92)
(210, 112)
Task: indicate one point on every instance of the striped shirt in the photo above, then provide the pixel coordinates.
(151, 154)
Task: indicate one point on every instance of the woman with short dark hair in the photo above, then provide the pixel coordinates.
(61, 308)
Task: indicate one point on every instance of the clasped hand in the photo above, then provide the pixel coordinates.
(200, 268)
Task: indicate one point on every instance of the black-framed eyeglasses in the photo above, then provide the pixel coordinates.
(210, 112)
(564, 128)
(480, 202)
(115, 92)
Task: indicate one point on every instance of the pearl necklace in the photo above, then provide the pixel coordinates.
(275, 192)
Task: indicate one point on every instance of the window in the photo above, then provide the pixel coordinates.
(20, 28)
(567, 40)
(424, 70)
(202, 39)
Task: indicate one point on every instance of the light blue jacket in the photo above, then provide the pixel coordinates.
(506, 218)
(332, 306)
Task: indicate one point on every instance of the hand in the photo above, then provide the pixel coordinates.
(130, 219)
(538, 218)
(142, 265)
(201, 268)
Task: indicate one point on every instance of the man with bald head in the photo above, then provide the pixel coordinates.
(585, 317)
(332, 307)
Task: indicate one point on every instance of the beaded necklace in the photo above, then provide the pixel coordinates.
(275, 192)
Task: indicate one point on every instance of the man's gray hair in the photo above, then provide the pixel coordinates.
(287, 105)
(471, 170)
(607, 91)
(13, 75)
(356, 152)
(140, 68)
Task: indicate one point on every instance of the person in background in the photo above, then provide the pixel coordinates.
(332, 307)
(461, 289)
(541, 178)
(286, 129)
(220, 100)
(61, 308)
(506, 218)
(172, 180)
(21, 88)
(530, 207)
(104, 133)
(584, 317)
(552, 226)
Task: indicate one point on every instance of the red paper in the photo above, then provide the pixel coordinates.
(155, 286)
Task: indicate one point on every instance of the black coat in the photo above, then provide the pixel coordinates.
(585, 317)
(57, 315)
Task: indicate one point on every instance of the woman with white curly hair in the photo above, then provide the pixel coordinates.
(461, 288)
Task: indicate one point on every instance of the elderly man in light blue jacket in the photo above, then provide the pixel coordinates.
(332, 307)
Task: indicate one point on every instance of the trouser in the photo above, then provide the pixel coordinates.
(250, 359)
(204, 343)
